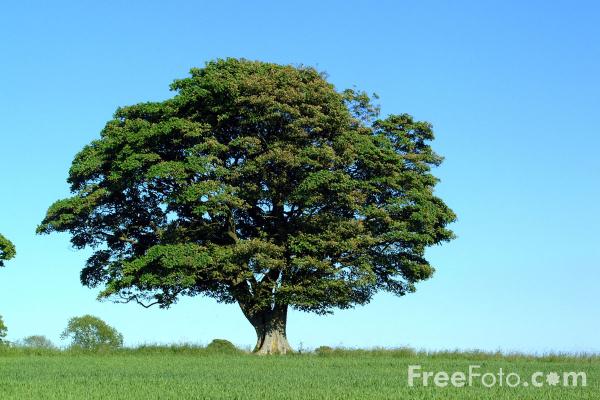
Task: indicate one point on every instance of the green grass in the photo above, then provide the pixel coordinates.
(191, 372)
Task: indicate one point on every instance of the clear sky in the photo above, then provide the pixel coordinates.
(513, 91)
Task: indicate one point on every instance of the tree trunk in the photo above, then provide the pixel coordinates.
(270, 328)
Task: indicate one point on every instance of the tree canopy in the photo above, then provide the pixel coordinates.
(37, 342)
(7, 250)
(91, 333)
(260, 184)
(3, 331)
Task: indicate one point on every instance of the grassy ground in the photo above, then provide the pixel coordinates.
(191, 373)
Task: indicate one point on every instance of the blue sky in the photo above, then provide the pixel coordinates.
(511, 87)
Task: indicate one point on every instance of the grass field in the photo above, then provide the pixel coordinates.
(188, 373)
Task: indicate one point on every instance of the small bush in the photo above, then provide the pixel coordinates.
(222, 346)
(324, 350)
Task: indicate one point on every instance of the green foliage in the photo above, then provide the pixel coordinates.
(256, 183)
(37, 342)
(324, 350)
(91, 333)
(3, 331)
(7, 250)
(222, 346)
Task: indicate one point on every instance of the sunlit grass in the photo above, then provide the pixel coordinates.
(195, 372)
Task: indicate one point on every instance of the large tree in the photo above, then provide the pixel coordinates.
(259, 184)
(7, 250)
